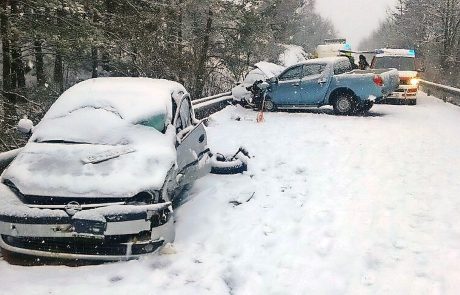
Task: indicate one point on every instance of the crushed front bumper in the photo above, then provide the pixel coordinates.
(118, 232)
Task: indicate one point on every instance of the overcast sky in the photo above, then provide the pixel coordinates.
(354, 19)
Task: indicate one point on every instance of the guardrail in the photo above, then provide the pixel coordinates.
(204, 107)
(446, 93)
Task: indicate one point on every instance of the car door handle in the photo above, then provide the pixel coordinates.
(321, 82)
(201, 139)
(296, 84)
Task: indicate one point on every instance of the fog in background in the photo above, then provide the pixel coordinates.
(355, 19)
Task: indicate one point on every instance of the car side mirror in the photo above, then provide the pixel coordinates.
(237, 83)
(25, 126)
(273, 80)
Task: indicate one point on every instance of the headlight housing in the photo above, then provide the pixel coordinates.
(414, 81)
(145, 198)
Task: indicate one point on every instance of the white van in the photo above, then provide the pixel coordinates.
(404, 61)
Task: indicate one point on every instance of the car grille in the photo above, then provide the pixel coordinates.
(109, 246)
(46, 200)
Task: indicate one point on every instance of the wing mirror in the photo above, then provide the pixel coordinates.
(25, 126)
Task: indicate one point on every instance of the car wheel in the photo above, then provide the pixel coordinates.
(221, 164)
(344, 104)
(269, 105)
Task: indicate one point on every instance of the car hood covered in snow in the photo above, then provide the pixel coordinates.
(91, 170)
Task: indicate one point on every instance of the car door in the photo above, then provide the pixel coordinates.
(286, 90)
(314, 84)
(191, 145)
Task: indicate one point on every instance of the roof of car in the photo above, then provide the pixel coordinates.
(133, 99)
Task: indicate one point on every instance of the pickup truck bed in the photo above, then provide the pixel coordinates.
(390, 78)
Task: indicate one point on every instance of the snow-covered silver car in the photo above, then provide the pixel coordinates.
(98, 175)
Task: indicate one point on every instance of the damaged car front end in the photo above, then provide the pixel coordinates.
(107, 231)
(99, 174)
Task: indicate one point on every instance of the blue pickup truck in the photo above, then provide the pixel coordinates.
(329, 81)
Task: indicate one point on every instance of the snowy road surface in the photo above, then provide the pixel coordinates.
(341, 205)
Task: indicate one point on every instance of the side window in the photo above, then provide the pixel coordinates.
(311, 70)
(184, 119)
(342, 67)
(292, 74)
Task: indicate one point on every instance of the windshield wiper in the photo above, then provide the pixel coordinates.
(62, 141)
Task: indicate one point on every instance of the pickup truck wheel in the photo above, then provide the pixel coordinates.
(344, 104)
(269, 105)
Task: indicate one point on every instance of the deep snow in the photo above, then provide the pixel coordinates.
(337, 205)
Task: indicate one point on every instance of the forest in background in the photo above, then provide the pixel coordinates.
(208, 45)
(432, 28)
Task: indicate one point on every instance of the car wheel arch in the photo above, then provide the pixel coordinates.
(340, 91)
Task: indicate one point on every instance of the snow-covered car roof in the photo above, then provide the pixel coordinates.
(134, 99)
(395, 52)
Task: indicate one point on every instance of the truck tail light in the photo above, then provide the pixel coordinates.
(378, 80)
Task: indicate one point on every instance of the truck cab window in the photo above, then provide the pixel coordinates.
(313, 70)
(342, 67)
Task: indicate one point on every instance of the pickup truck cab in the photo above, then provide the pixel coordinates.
(404, 61)
(329, 81)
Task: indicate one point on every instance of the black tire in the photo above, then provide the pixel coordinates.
(269, 106)
(221, 164)
(344, 104)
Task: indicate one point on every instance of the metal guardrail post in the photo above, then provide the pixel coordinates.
(204, 107)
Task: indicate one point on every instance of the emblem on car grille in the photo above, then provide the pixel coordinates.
(72, 207)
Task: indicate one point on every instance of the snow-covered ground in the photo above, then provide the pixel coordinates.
(340, 205)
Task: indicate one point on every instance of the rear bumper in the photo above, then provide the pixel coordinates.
(117, 232)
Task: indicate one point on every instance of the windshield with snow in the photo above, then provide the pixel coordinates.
(400, 63)
(94, 126)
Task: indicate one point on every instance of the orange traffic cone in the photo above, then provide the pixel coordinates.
(260, 116)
